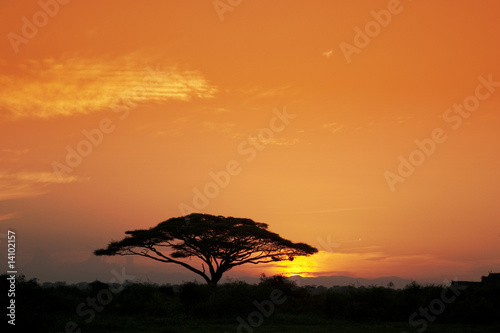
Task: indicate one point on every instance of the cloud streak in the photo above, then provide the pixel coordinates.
(7, 217)
(327, 54)
(49, 87)
(334, 210)
(333, 127)
(20, 185)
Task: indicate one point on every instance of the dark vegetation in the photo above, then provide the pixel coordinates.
(142, 307)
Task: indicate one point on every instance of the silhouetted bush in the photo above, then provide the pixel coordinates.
(146, 299)
(193, 295)
(166, 290)
(230, 300)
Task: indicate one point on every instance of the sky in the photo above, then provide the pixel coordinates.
(367, 129)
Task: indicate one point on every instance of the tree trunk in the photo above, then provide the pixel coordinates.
(214, 279)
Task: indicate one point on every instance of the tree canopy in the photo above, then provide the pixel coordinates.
(221, 243)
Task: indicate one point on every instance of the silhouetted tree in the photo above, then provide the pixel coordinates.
(219, 242)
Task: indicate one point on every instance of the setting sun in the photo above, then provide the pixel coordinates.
(301, 266)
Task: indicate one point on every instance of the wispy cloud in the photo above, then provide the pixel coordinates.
(50, 87)
(327, 54)
(29, 184)
(332, 127)
(270, 142)
(13, 156)
(334, 210)
(262, 93)
(188, 125)
(17, 152)
(6, 217)
(212, 126)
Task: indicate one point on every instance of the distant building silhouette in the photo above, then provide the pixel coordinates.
(492, 280)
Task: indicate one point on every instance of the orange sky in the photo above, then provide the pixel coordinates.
(172, 91)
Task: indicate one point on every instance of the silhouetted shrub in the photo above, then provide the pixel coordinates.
(193, 295)
(147, 299)
(166, 290)
(230, 300)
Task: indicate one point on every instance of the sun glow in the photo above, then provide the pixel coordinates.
(302, 266)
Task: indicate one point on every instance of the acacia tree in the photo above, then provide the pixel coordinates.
(221, 243)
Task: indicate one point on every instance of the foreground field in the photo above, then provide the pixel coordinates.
(155, 325)
(274, 305)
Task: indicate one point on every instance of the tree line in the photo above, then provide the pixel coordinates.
(52, 307)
